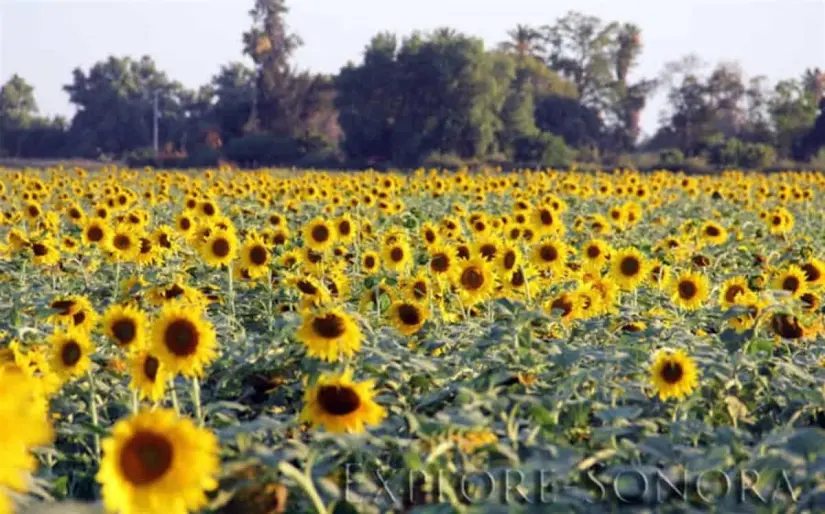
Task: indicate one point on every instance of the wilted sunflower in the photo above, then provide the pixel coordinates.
(793, 280)
(408, 316)
(148, 375)
(628, 268)
(731, 289)
(674, 374)
(183, 341)
(156, 461)
(474, 280)
(126, 326)
(689, 290)
(255, 256)
(329, 334)
(319, 235)
(341, 405)
(70, 352)
(219, 249)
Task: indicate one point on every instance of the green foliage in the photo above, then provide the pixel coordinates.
(671, 157)
(544, 149)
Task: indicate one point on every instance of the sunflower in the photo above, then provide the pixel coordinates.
(126, 326)
(549, 254)
(396, 256)
(319, 235)
(508, 259)
(486, 248)
(595, 254)
(156, 461)
(148, 375)
(370, 262)
(70, 351)
(313, 292)
(344, 229)
(45, 252)
(416, 288)
(341, 405)
(183, 341)
(793, 280)
(713, 233)
(731, 289)
(674, 374)
(689, 290)
(184, 223)
(628, 268)
(74, 311)
(429, 234)
(255, 256)
(751, 306)
(96, 232)
(219, 249)
(408, 316)
(124, 244)
(443, 263)
(545, 220)
(814, 272)
(330, 334)
(474, 280)
(567, 306)
(164, 239)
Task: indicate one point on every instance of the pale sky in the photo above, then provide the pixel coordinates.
(43, 40)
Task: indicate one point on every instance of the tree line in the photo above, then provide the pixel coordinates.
(548, 96)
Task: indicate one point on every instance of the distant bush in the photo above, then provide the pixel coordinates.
(448, 161)
(818, 160)
(544, 149)
(671, 157)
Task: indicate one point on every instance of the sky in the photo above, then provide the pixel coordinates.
(44, 40)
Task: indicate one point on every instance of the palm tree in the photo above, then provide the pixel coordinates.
(524, 40)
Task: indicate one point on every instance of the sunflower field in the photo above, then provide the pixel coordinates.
(534, 341)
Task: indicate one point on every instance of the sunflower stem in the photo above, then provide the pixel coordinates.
(175, 403)
(304, 482)
(231, 294)
(135, 402)
(93, 411)
(117, 282)
(196, 400)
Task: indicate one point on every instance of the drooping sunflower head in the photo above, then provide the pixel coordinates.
(183, 340)
(330, 334)
(339, 404)
(126, 326)
(674, 374)
(155, 459)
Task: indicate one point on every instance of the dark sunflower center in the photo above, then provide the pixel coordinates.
(562, 304)
(181, 337)
(712, 231)
(810, 300)
(258, 255)
(488, 251)
(397, 254)
(64, 306)
(314, 257)
(79, 318)
(306, 287)
(509, 260)
(70, 353)
(687, 289)
(593, 251)
(732, 292)
(40, 249)
(409, 314)
(145, 245)
(463, 252)
(338, 400)
(320, 233)
(472, 279)
(122, 242)
(344, 228)
(173, 292)
(812, 273)
(150, 367)
(440, 263)
(163, 240)
(74, 214)
(185, 223)
(630, 266)
(145, 458)
(429, 235)
(672, 372)
(517, 280)
(786, 326)
(329, 326)
(369, 261)
(220, 247)
(33, 211)
(209, 209)
(419, 289)
(790, 283)
(776, 220)
(124, 331)
(548, 253)
(546, 217)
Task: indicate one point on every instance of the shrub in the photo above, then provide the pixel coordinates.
(671, 157)
(544, 149)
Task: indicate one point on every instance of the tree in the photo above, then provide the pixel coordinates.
(17, 104)
(524, 41)
(233, 92)
(793, 111)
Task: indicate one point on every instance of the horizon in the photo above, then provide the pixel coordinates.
(69, 34)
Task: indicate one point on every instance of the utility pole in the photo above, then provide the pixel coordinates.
(155, 118)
